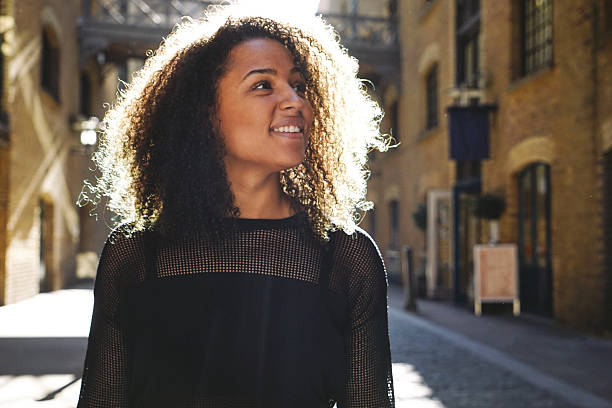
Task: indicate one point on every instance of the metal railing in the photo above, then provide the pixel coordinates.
(364, 31)
(143, 13)
(354, 30)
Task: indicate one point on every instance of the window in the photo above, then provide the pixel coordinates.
(607, 15)
(432, 97)
(394, 223)
(468, 43)
(468, 169)
(50, 68)
(392, 113)
(1, 73)
(607, 231)
(537, 35)
(85, 95)
(4, 116)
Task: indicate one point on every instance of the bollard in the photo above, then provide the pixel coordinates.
(408, 279)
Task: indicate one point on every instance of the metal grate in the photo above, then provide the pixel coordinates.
(352, 28)
(145, 13)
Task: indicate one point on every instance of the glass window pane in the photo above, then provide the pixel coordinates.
(542, 191)
(525, 192)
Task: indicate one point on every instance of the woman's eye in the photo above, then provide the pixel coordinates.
(300, 87)
(262, 85)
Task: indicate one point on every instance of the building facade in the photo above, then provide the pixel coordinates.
(61, 62)
(46, 241)
(510, 98)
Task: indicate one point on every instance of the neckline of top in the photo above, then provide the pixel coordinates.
(292, 220)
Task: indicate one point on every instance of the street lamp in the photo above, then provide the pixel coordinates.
(89, 135)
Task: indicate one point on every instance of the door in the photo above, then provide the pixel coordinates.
(535, 239)
(466, 233)
(46, 245)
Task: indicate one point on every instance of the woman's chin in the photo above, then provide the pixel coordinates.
(289, 164)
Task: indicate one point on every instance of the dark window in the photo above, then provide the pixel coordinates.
(468, 169)
(537, 35)
(1, 73)
(607, 232)
(394, 223)
(432, 97)
(608, 15)
(50, 63)
(534, 240)
(468, 43)
(85, 95)
(4, 117)
(394, 121)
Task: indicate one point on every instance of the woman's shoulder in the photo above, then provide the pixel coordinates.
(122, 253)
(358, 242)
(123, 238)
(357, 252)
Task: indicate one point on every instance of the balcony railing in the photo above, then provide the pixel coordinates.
(145, 22)
(143, 13)
(364, 31)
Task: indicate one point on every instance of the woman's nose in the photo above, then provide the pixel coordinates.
(291, 99)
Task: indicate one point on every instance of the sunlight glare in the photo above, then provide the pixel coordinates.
(411, 390)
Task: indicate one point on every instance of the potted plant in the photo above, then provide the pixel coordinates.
(490, 206)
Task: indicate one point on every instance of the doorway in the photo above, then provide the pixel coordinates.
(46, 245)
(535, 266)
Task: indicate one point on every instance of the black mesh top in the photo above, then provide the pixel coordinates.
(268, 316)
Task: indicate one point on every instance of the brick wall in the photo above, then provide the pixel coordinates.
(561, 116)
(40, 150)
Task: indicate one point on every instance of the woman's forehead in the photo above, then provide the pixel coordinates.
(260, 53)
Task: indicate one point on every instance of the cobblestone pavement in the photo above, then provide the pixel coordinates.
(43, 340)
(430, 371)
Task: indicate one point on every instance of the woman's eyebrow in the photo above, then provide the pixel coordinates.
(270, 71)
(260, 71)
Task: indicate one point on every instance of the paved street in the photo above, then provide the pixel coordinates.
(431, 371)
(43, 340)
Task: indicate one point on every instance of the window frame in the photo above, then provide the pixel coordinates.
(546, 42)
(467, 31)
(394, 221)
(50, 63)
(432, 97)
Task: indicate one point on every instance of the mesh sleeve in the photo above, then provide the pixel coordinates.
(368, 356)
(104, 381)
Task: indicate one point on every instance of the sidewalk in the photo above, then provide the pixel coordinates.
(42, 348)
(43, 342)
(582, 361)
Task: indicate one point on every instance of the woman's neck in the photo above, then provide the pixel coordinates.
(258, 196)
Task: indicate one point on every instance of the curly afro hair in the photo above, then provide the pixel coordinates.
(161, 160)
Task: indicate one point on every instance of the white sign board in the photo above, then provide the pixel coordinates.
(496, 275)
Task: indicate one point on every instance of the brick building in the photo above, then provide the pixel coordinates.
(46, 241)
(60, 61)
(538, 69)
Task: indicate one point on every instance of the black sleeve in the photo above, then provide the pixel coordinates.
(104, 381)
(368, 355)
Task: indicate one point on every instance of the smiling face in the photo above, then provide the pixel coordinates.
(262, 111)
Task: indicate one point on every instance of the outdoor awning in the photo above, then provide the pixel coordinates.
(469, 131)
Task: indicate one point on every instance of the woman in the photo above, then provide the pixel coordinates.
(235, 161)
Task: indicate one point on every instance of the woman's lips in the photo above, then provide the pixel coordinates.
(288, 135)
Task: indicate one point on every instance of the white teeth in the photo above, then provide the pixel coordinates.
(288, 129)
